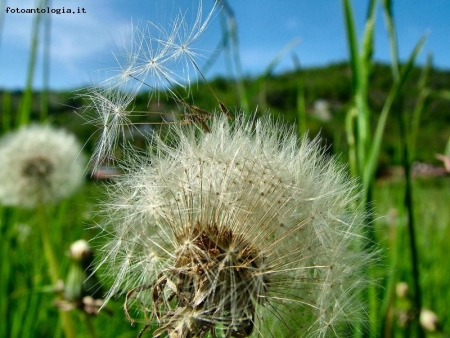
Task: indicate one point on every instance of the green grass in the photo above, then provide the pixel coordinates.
(432, 217)
(372, 103)
(26, 295)
(26, 302)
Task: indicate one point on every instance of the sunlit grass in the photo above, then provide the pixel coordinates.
(26, 291)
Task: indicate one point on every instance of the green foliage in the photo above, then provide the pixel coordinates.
(26, 305)
(332, 83)
(26, 292)
(380, 115)
(433, 219)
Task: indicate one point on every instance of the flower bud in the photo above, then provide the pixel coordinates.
(402, 290)
(429, 320)
(80, 281)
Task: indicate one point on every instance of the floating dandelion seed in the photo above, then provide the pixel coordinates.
(183, 39)
(144, 57)
(151, 60)
(39, 165)
(154, 53)
(110, 110)
(243, 231)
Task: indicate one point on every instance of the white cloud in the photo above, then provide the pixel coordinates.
(74, 36)
(76, 39)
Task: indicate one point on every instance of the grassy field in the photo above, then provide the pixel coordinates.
(27, 300)
(432, 217)
(411, 216)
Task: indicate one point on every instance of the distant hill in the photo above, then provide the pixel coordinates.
(327, 94)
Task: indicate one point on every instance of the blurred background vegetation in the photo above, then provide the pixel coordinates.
(327, 92)
(344, 103)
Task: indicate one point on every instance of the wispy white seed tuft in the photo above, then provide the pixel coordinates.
(155, 58)
(109, 110)
(39, 165)
(243, 231)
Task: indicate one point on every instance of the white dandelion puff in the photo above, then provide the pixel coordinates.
(144, 58)
(156, 58)
(39, 165)
(243, 231)
(154, 53)
(110, 110)
(184, 37)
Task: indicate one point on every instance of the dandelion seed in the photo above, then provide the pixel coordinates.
(39, 165)
(154, 53)
(128, 63)
(243, 231)
(150, 60)
(183, 38)
(155, 59)
(110, 110)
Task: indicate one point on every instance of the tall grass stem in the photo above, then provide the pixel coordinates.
(27, 98)
(46, 66)
(405, 137)
(6, 111)
(232, 44)
(53, 270)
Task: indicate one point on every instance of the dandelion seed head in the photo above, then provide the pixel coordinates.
(157, 57)
(252, 229)
(39, 165)
(110, 110)
(153, 57)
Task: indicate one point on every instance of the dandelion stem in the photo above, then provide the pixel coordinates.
(89, 325)
(48, 250)
(411, 224)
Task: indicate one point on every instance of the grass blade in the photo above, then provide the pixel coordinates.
(25, 104)
(424, 93)
(369, 170)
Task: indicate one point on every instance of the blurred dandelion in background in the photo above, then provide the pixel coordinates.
(244, 230)
(39, 165)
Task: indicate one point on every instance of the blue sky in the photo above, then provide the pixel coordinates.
(82, 44)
